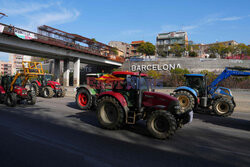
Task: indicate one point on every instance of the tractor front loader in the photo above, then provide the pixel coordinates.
(44, 86)
(13, 88)
(197, 94)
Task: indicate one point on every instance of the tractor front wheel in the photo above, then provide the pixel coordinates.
(48, 92)
(35, 88)
(186, 100)
(223, 107)
(161, 124)
(31, 98)
(11, 100)
(83, 99)
(63, 92)
(110, 113)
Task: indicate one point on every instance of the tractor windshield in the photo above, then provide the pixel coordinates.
(144, 83)
(18, 82)
(48, 78)
(196, 82)
(134, 80)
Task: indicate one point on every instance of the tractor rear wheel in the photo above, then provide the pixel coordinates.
(11, 100)
(35, 88)
(223, 107)
(186, 100)
(48, 92)
(84, 99)
(63, 92)
(32, 98)
(110, 113)
(161, 124)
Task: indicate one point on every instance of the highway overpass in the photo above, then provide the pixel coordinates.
(19, 41)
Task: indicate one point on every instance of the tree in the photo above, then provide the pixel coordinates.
(114, 50)
(146, 48)
(177, 50)
(94, 40)
(193, 54)
(160, 51)
(192, 50)
(242, 48)
(215, 50)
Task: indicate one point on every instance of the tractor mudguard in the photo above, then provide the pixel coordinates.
(37, 82)
(116, 95)
(52, 84)
(88, 88)
(187, 89)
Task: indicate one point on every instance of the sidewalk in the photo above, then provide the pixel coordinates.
(71, 92)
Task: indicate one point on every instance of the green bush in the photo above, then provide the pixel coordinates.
(193, 54)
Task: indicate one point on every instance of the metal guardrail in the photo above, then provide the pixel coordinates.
(11, 30)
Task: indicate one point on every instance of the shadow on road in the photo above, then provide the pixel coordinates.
(73, 105)
(89, 117)
(230, 122)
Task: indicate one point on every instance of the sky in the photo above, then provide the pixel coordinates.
(128, 20)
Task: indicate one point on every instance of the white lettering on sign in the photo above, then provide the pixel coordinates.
(155, 67)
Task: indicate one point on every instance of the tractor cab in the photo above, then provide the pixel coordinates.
(198, 82)
(44, 79)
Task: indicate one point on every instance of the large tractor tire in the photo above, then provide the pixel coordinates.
(223, 107)
(110, 113)
(47, 92)
(32, 98)
(35, 88)
(186, 100)
(11, 100)
(161, 124)
(63, 92)
(84, 99)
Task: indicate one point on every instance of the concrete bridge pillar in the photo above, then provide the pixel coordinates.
(57, 70)
(66, 73)
(77, 72)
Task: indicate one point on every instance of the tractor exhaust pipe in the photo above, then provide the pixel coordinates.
(139, 93)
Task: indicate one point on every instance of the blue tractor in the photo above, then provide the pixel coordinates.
(198, 94)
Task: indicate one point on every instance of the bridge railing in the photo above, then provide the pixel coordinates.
(28, 35)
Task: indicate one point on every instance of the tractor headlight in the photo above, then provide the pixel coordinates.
(230, 92)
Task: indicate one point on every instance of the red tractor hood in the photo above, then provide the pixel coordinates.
(53, 83)
(20, 91)
(157, 99)
(2, 91)
(19, 88)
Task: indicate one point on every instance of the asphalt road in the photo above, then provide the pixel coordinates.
(54, 132)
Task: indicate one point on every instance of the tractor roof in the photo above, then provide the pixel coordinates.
(194, 75)
(128, 73)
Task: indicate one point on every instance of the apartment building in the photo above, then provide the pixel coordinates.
(122, 46)
(5, 68)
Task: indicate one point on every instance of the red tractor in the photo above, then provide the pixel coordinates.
(45, 87)
(12, 90)
(131, 100)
